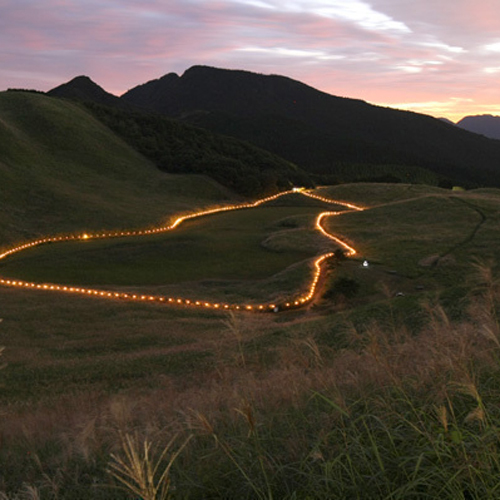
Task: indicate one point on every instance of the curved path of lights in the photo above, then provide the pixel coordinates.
(292, 303)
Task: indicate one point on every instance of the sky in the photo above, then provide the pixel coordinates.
(439, 57)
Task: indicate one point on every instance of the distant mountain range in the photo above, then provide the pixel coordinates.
(332, 138)
(486, 125)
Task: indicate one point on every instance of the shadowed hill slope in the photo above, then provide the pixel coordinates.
(180, 148)
(63, 170)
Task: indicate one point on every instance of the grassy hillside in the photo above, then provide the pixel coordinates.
(386, 386)
(232, 256)
(395, 377)
(417, 235)
(62, 170)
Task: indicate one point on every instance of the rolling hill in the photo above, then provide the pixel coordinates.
(63, 170)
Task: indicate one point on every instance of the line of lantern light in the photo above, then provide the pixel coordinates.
(131, 296)
(227, 208)
(137, 297)
(300, 301)
(304, 299)
(350, 250)
(331, 201)
(141, 232)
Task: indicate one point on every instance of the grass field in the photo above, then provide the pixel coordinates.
(386, 387)
(224, 246)
(243, 254)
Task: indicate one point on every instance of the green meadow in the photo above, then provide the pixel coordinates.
(265, 397)
(385, 386)
(222, 246)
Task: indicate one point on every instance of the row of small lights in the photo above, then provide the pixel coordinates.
(300, 301)
(143, 232)
(128, 296)
(350, 250)
(337, 202)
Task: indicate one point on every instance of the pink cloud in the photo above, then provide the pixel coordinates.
(122, 43)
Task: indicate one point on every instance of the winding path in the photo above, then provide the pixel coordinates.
(296, 302)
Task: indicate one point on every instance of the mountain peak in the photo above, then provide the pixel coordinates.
(221, 90)
(78, 83)
(83, 78)
(83, 88)
(317, 131)
(487, 125)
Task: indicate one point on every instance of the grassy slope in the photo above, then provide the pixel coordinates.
(416, 236)
(79, 369)
(93, 366)
(404, 226)
(63, 171)
(249, 245)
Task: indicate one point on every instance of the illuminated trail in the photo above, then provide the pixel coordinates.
(106, 294)
(324, 232)
(326, 200)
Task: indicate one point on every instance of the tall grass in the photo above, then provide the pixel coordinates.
(394, 415)
(2, 365)
(140, 472)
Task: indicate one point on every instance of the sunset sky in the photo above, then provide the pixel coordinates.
(440, 57)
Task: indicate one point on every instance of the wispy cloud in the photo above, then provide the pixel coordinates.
(419, 53)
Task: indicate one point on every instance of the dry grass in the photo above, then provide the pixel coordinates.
(265, 407)
(442, 353)
(142, 473)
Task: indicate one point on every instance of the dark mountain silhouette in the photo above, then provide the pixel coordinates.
(181, 148)
(446, 120)
(487, 125)
(319, 132)
(82, 88)
(176, 147)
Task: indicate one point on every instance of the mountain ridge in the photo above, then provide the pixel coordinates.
(321, 133)
(486, 124)
(315, 130)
